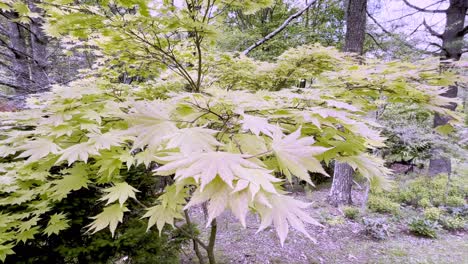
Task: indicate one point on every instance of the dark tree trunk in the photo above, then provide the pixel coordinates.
(340, 192)
(452, 44)
(452, 38)
(355, 26)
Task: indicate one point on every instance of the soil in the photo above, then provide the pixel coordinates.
(341, 240)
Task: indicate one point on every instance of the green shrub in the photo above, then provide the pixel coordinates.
(423, 227)
(377, 228)
(131, 239)
(424, 203)
(427, 192)
(351, 212)
(381, 204)
(452, 223)
(335, 221)
(432, 213)
(454, 201)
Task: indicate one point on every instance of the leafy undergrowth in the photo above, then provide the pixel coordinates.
(341, 240)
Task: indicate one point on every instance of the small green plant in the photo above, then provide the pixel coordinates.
(432, 213)
(377, 228)
(454, 201)
(381, 204)
(351, 212)
(424, 203)
(335, 221)
(426, 192)
(423, 227)
(452, 223)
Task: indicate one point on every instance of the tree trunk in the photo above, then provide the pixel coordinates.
(452, 44)
(340, 192)
(39, 51)
(355, 26)
(452, 38)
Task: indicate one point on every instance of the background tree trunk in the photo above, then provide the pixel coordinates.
(355, 26)
(340, 192)
(452, 45)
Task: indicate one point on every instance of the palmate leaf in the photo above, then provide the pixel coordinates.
(5, 250)
(74, 179)
(371, 168)
(258, 125)
(78, 152)
(285, 211)
(170, 205)
(149, 123)
(120, 191)
(255, 180)
(111, 216)
(38, 149)
(296, 155)
(57, 223)
(161, 215)
(193, 139)
(204, 167)
(105, 141)
(27, 234)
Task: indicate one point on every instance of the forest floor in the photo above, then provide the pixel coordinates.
(340, 240)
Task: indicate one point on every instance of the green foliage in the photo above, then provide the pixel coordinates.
(97, 135)
(453, 223)
(408, 131)
(351, 212)
(382, 204)
(455, 201)
(425, 191)
(423, 227)
(323, 23)
(213, 128)
(70, 245)
(377, 228)
(335, 220)
(432, 213)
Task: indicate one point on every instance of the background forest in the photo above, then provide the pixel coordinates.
(204, 131)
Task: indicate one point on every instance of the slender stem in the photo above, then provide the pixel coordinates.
(259, 154)
(195, 240)
(211, 244)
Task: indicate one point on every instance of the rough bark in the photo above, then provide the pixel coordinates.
(340, 192)
(355, 26)
(452, 45)
(38, 42)
(452, 38)
(20, 62)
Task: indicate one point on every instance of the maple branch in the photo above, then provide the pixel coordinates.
(410, 14)
(14, 86)
(259, 154)
(393, 35)
(431, 30)
(375, 41)
(463, 32)
(424, 9)
(279, 29)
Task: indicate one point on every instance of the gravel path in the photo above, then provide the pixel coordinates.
(340, 241)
